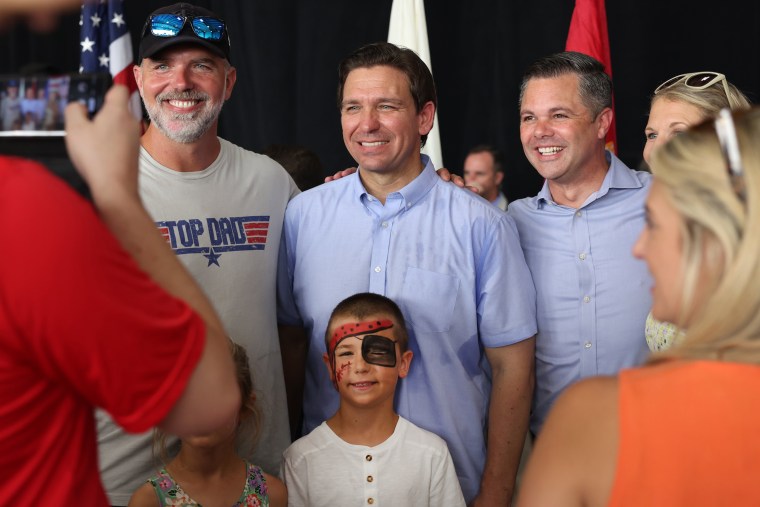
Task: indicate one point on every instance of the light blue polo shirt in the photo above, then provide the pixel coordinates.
(450, 260)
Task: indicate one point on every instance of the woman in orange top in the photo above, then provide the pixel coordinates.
(684, 429)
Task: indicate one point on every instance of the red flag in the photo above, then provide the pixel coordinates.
(588, 35)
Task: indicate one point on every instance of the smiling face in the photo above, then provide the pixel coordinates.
(359, 382)
(381, 127)
(667, 119)
(559, 135)
(184, 88)
(660, 246)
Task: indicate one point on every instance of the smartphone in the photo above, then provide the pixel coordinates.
(31, 117)
(32, 105)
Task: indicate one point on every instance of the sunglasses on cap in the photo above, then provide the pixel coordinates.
(170, 25)
(695, 81)
(729, 145)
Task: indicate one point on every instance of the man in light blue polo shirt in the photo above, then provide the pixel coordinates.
(450, 259)
(577, 233)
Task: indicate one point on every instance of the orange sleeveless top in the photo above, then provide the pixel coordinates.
(689, 435)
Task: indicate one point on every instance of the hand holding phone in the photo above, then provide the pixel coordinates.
(104, 149)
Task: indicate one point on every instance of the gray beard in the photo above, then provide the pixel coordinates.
(195, 124)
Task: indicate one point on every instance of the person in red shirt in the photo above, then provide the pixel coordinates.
(95, 311)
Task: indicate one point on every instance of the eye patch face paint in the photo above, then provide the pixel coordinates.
(379, 350)
(376, 349)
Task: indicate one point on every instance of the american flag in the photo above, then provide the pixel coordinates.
(105, 44)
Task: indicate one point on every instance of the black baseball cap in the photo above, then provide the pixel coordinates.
(151, 44)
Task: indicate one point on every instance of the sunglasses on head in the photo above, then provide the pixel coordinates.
(695, 81)
(170, 25)
(729, 145)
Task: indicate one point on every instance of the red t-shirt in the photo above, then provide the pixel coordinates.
(80, 326)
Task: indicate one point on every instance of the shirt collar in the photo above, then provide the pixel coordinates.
(618, 176)
(412, 193)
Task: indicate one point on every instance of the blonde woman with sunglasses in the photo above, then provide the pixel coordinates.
(682, 429)
(677, 104)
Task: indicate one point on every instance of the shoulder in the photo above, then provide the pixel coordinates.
(419, 437)
(253, 159)
(331, 195)
(574, 456)
(523, 206)
(317, 440)
(29, 183)
(276, 490)
(144, 496)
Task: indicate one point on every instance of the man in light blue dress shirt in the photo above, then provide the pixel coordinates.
(577, 233)
(450, 259)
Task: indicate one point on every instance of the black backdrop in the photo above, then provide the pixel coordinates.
(286, 53)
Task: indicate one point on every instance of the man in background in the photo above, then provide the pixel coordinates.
(484, 171)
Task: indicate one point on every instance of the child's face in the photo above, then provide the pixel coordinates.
(357, 380)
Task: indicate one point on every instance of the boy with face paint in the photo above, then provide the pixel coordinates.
(366, 453)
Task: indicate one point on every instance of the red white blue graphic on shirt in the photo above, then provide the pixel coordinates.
(211, 237)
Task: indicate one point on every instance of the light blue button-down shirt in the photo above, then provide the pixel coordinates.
(593, 296)
(453, 264)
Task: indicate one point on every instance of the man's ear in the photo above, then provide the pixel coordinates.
(425, 118)
(137, 71)
(231, 78)
(605, 121)
(404, 363)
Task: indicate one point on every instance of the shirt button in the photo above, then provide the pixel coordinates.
(578, 213)
(378, 269)
(587, 345)
(586, 299)
(370, 478)
(385, 225)
(582, 256)
(370, 501)
(368, 457)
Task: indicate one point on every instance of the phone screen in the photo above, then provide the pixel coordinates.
(32, 106)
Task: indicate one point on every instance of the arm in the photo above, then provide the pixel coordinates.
(513, 373)
(108, 163)
(573, 460)
(293, 346)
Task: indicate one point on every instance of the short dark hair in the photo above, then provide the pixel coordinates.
(421, 84)
(498, 165)
(594, 84)
(366, 304)
(302, 164)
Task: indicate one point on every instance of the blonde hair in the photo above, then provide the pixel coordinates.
(249, 417)
(721, 240)
(708, 100)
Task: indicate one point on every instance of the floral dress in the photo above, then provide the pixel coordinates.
(170, 493)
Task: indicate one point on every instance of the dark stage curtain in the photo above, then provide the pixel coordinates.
(287, 51)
